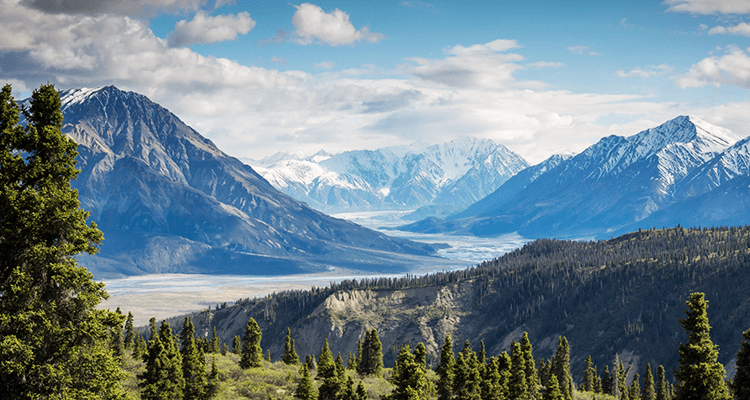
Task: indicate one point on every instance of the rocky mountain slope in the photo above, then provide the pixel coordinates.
(447, 176)
(621, 296)
(168, 200)
(614, 186)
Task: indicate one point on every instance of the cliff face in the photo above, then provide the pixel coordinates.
(622, 296)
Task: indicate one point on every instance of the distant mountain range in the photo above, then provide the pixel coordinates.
(442, 179)
(168, 200)
(685, 171)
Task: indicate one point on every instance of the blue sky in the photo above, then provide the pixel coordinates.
(256, 77)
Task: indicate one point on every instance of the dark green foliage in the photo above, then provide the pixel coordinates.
(139, 349)
(699, 375)
(53, 339)
(532, 378)
(420, 355)
(552, 392)
(351, 362)
(607, 381)
(517, 386)
(334, 384)
(648, 385)
(561, 367)
(214, 345)
(129, 332)
(371, 362)
(588, 376)
(741, 382)
(467, 382)
(268, 355)
(193, 363)
(361, 392)
(213, 378)
(326, 365)
(163, 378)
(252, 353)
(482, 356)
(634, 391)
(116, 341)
(409, 378)
(305, 389)
(236, 345)
(310, 362)
(494, 382)
(662, 391)
(290, 356)
(445, 370)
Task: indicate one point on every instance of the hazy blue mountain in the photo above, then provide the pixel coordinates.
(613, 186)
(168, 200)
(447, 176)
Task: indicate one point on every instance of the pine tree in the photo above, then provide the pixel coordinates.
(607, 381)
(213, 378)
(214, 345)
(129, 332)
(494, 385)
(699, 375)
(648, 385)
(53, 339)
(741, 382)
(290, 356)
(116, 341)
(252, 353)
(139, 349)
(420, 355)
(409, 378)
(237, 345)
(532, 378)
(310, 362)
(445, 370)
(561, 367)
(334, 384)
(268, 355)
(193, 363)
(361, 391)
(622, 374)
(662, 391)
(518, 388)
(163, 378)
(634, 391)
(374, 360)
(553, 390)
(482, 357)
(359, 354)
(326, 366)
(305, 389)
(588, 376)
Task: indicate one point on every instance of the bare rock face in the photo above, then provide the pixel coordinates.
(168, 200)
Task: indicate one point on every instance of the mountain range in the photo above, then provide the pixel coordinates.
(441, 179)
(684, 171)
(168, 200)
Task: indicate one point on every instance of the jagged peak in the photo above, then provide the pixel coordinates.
(104, 94)
(687, 128)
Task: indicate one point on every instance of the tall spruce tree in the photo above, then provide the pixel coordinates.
(163, 378)
(561, 367)
(53, 339)
(129, 332)
(214, 345)
(409, 378)
(326, 365)
(518, 389)
(662, 390)
(236, 345)
(116, 341)
(552, 392)
(445, 370)
(193, 363)
(648, 384)
(305, 389)
(467, 382)
(532, 377)
(741, 381)
(588, 375)
(290, 356)
(374, 360)
(252, 353)
(699, 375)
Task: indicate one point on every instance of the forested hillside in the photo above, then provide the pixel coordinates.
(616, 297)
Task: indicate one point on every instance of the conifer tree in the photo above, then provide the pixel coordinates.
(494, 384)
(622, 374)
(445, 370)
(290, 356)
(252, 353)
(552, 392)
(193, 363)
(467, 380)
(310, 362)
(213, 378)
(214, 345)
(305, 389)
(53, 339)
(361, 391)
(359, 354)
(648, 384)
(662, 391)
(588, 376)
(139, 349)
(409, 378)
(116, 341)
(561, 367)
(532, 378)
(518, 388)
(351, 362)
(607, 381)
(334, 384)
(326, 365)
(268, 355)
(236, 345)
(163, 378)
(129, 332)
(374, 360)
(482, 356)
(741, 381)
(420, 355)
(699, 375)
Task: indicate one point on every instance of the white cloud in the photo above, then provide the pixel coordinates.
(325, 64)
(648, 72)
(312, 24)
(732, 68)
(709, 6)
(741, 29)
(99, 7)
(547, 64)
(207, 29)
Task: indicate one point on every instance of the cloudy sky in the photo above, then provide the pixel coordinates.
(257, 77)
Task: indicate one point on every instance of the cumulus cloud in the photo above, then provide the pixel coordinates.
(741, 29)
(97, 7)
(313, 25)
(732, 68)
(709, 6)
(648, 72)
(207, 29)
